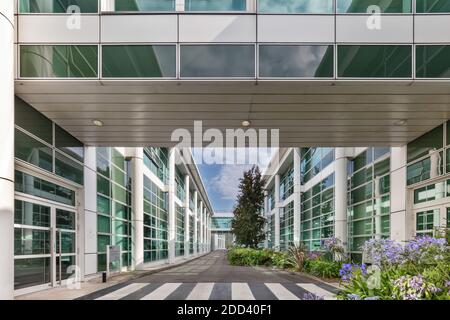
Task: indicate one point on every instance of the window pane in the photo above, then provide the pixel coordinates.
(65, 219)
(103, 186)
(139, 61)
(430, 6)
(57, 6)
(33, 121)
(31, 272)
(215, 5)
(418, 171)
(103, 224)
(295, 6)
(374, 61)
(29, 241)
(144, 5)
(217, 61)
(68, 168)
(102, 166)
(361, 6)
(47, 61)
(432, 61)
(68, 144)
(295, 61)
(432, 140)
(32, 151)
(103, 205)
(31, 214)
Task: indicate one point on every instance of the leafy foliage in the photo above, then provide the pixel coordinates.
(323, 268)
(248, 223)
(297, 256)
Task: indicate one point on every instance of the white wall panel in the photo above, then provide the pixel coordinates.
(90, 264)
(48, 29)
(90, 232)
(432, 28)
(217, 28)
(295, 28)
(139, 28)
(393, 29)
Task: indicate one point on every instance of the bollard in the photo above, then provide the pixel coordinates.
(104, 277)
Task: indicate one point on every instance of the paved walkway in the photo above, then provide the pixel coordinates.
(213, 278)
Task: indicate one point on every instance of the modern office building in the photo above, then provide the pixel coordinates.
(221, 235)
(128, 72)
(357, 194)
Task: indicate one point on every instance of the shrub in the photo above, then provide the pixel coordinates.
(297, 256)
(249, 257)
(280, 260)
(322, 268)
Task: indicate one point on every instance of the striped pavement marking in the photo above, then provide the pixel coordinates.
(318, 291)
(281, 292)
(122, 292)
(241, 291)
(162, 292)
(211, 291)
(201, 291)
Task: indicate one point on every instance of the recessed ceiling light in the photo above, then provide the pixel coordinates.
(97, 122)
(245, 123)
(402, 122)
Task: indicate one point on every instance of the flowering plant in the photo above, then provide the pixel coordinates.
(382, 252)
(413, 288)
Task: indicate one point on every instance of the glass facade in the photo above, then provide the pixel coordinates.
(368, 211)
(156, 159)
(432, 6)
(139, 61)
(221, 223)
(287, 184)
(58, 61)
(364, 6)
(374, 61)
(114, 214)
(155, 222)
(296, 6)
(144, 5)
(314, 160)
(179, 185)
(179, 230)
(296, 61)
(287, 226)
(215, 5)
(217, 60)
(57, 6)
(317, 213)
(40, 142)
(432, 61)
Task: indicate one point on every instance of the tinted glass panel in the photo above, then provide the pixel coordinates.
(30, 241)
(362, 6)
(433, 61)
(57, 6)
(32, 151)
(65, 219)
(33, 121)
(31, 272)
(295, 61)
(217, 61)
(429, 141)
(139, 61)
(67, 143)
(429, 6)
(31, 214)
(145, 5)
(68, 168)
(215, 5)
(374, 61)
(295, 6)
(39, 61)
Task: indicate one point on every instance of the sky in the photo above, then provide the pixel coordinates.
(222, 180)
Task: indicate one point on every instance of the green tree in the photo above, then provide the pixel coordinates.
(248, 222)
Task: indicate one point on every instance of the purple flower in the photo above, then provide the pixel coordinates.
(353, 296)
(311, 296)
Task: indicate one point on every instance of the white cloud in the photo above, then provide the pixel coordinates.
(226, 183)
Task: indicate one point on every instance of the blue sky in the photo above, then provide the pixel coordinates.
(222, 180)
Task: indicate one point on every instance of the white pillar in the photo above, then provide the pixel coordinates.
(7, 149)
(201, 226)
(277, 212)
(266, 226)
(340, 195)
(186, 216)
(171, 199)
(137, 164)
(195, 221)
(297, 207)
(402, 226)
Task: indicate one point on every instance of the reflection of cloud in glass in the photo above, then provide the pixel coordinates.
(295, 6)
(295, 61)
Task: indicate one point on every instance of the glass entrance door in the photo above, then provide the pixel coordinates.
(65, 244)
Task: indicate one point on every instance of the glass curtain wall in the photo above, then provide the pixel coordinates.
(314, 160)
(287, 226)
(179, 222)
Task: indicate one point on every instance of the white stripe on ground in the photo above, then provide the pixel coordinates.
(162, 292)
(201, 291)
(281, 292)
(122, 292)
(318, 291)
(241, 291)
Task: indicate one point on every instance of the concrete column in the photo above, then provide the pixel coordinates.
(402, 227)
(297, 207)
(340, 195)
(201, 226)
(266, 225)
(7, 149)
(137, 165)
(277, 212)
(186, 216)
(171, 198)
(195, 221)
